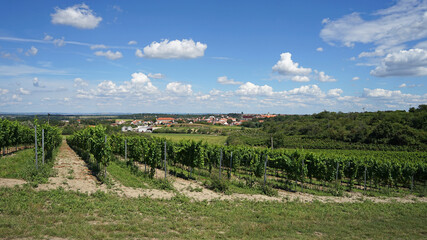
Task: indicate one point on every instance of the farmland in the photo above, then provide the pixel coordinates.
(110, 185)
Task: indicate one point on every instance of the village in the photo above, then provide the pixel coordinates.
(142, 126)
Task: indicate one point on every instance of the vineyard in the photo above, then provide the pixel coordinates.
(280, 168)
(43, 138)
(13, 134)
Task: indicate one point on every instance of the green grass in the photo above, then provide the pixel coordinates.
(124, 176)
(21, 165)
(212, 139)
(13, 166)
(26, 213)
(131, 176)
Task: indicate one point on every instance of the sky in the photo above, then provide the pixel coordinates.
(287, 57)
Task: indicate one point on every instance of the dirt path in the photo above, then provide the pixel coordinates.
(10, 182)
(73, 174)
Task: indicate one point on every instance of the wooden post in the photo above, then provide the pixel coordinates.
(336, 177)
(35, 144)
(302, 175)
(365, 177)
(231, 164)
(271, 142)
(265, 169)
(165, 162)
(126, 150)
(43, 146)
(220, 163)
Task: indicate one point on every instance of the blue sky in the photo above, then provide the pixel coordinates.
(212, 56)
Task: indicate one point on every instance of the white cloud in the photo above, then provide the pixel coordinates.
(322, 77)
(406, 21)
(78, 82)
(32, 51)
(251, 89)
(16, 98)
(47, 37)
(23, 91)
(79, 16)
(412, 62)
(227, 81)
(117, 8)
(59, 42)
(336, 92)
(3, 91)
(300, 79)
(109, 54)
(286, 66)
(402, 85)
(313, 90)
(179, 88)
(319, 49)
(138, 53)
(132, 42)
(383, 93)
(326, 20)
(355, 78)
(36, 83)
(175, 49)
(97, 46)
(17, 70)
(156, 75)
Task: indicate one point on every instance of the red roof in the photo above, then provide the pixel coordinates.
(164, 119)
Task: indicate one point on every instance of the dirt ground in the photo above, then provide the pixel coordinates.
(73, 174)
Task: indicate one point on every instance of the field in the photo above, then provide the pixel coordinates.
(107, 197)
(59, 213)
(212, 139)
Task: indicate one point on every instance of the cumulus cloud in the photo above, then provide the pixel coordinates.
(384, 93)
(78, 82)
(109, 54)
(406, 21)
(36, 83)
(3, 91)
(16, 98)
(286, 66)
(322, 77)
(59, 42)
(175, 49)
(319, 49)
(355, 78)
(313, 90)
(138, 53)
(23, 91)
(336, 92)
(97, 46)
(156, 75)
(252, 89)
(179, 88)
(227, 81)
(79, 16)
(300, 79)
(47, 37)
(32, 51)
(412, 62)
(132, 42)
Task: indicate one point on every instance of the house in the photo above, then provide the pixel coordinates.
(127, 129)
(165, 120)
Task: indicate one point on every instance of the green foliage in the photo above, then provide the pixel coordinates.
(392, 130)
(218, 184)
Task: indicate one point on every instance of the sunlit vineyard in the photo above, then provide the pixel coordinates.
(350, 168)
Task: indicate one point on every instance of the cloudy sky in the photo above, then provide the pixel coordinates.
(212, 56)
